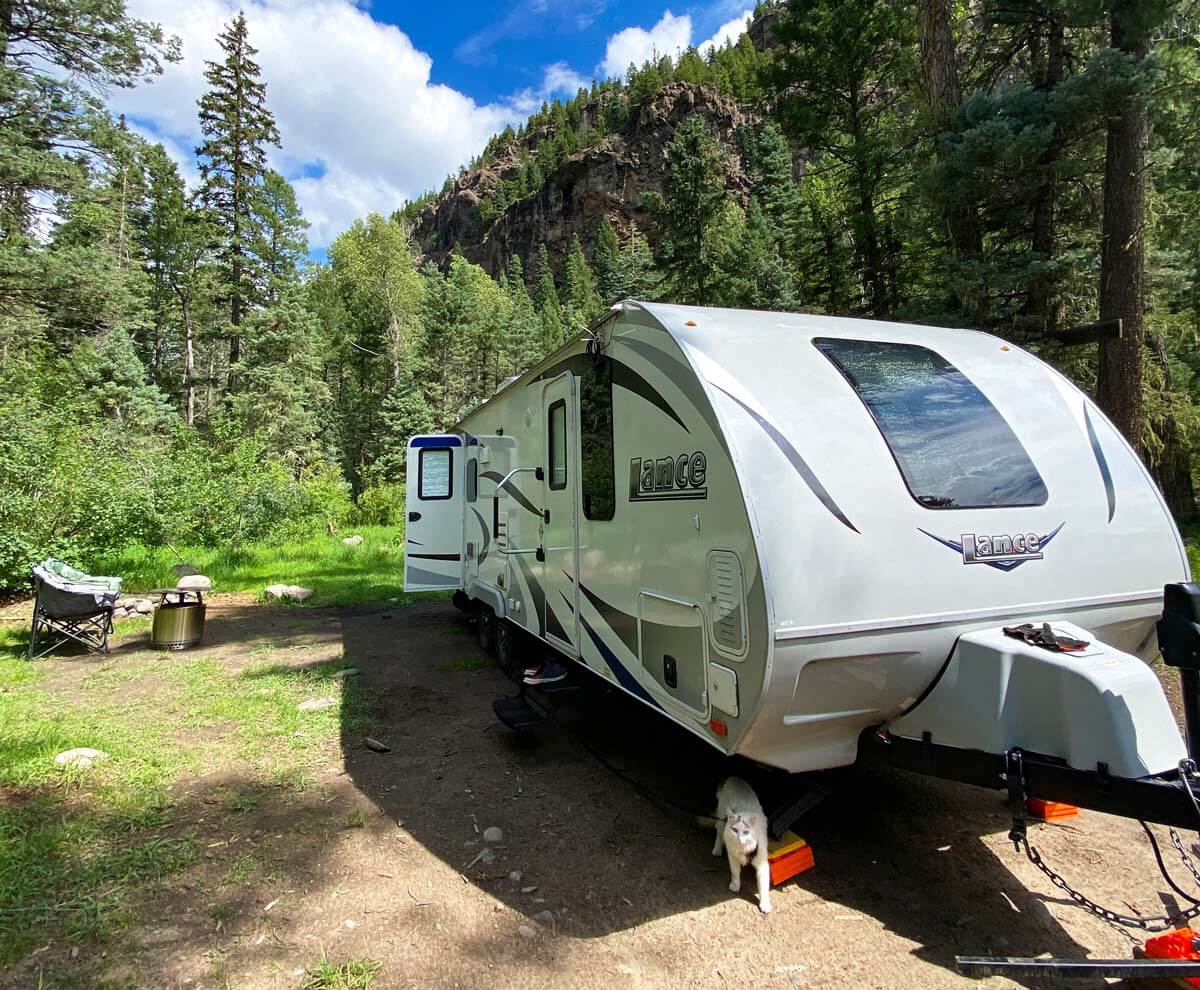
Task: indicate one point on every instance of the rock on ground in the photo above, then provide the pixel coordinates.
(492, 834)
(293, 591)
(352, 541)
(194, 582)
(316, 704)
(80, 758)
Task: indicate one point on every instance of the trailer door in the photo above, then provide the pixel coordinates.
(434, 499)
(560, 487)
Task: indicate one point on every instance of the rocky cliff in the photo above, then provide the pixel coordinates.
(610, 178)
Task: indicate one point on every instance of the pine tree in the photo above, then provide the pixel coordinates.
(404, 413)
(237, 127)
(155, 224)
(279, 241)
(689, 209)
(283, 395)
(770, 162)
(581, 303)
(638, 273)
(546, 303)
(522, 334)
(838, 65)
(606, 255)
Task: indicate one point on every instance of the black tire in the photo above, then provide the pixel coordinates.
(486, 629)
(506, 648)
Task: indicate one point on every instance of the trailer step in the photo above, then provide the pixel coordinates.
(518, 714)
(554, 688)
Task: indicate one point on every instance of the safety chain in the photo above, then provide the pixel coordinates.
(1154, 923)
(1183, 855)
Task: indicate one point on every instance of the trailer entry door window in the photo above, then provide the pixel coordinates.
(434, 481)
(558, 445)
(598, 484)
(954, 450)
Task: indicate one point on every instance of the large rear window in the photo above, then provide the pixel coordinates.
(953, 448)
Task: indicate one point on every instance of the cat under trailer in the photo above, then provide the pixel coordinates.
(801, 539)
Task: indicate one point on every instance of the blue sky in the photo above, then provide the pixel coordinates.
(489, 52)
(377, 102)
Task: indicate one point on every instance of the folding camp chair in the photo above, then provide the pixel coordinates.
(70, 607)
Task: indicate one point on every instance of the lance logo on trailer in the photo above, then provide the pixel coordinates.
(659, 479)
(1004, 552)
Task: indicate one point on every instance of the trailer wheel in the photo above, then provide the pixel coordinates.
(486, 630)
(506, 648)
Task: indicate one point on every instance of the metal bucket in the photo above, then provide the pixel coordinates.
(177, 625)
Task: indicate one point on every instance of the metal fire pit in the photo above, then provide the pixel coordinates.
(177, 624)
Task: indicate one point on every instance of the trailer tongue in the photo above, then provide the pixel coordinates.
(1090, 727)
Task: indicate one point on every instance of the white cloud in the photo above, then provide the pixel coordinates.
(362, 126)
(558, 79)
(731, 30)
(670, 36)
(561, 78)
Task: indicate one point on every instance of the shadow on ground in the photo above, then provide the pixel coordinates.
(277, 872)
(585, 837)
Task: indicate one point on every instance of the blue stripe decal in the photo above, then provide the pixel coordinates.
(624, 678)
(1101, 463)
(447, 441)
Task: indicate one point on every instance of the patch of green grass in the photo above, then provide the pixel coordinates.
(336, 573)
(75, 846)
(469, 661)
(1191, 538)
(353, 974)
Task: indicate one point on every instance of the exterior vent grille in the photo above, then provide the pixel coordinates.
(727, 601)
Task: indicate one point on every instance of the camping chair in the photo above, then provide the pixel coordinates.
(70, 607)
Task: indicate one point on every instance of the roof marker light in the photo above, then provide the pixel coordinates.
(690, 323)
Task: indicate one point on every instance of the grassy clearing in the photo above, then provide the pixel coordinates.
(77, 847)
(337, 574)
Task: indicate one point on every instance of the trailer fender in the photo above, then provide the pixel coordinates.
(486, 594)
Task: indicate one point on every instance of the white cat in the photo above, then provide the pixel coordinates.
(742, 831)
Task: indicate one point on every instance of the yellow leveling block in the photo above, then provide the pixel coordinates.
(788, 857)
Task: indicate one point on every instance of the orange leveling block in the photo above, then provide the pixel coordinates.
(1049, 811)
(788, 857)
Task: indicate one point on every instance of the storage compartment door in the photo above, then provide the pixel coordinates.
(672, 638)
(434, 500)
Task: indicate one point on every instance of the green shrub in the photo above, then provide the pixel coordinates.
(80, 485)
(380, 505)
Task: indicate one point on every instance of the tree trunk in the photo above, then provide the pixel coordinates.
(1123, 250)
(943, 92)
(189, 364)
(1040, 303)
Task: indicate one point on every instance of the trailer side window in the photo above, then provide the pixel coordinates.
(598, 476)
(472, 480)
(953, 448)
(434, 479)
(558, 445)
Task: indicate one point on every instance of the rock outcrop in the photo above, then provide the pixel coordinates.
(610, 178)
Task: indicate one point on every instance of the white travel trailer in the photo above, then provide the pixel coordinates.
(800, 538)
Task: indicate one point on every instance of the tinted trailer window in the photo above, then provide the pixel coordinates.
(953, 448)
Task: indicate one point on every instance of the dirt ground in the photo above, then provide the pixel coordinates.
(591, 884)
